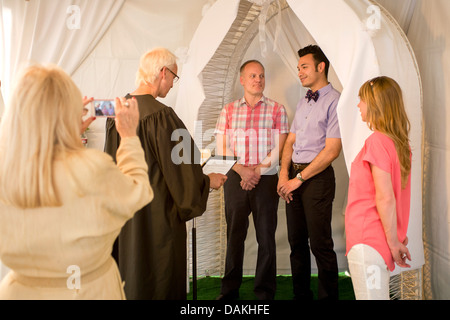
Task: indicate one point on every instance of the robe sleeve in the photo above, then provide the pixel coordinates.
(112, 138)
(178, 158)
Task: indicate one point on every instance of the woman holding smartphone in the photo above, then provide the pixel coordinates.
(62, 205)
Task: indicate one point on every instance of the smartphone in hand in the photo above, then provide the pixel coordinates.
(104, 108)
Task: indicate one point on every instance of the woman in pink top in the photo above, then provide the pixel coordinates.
(377, 214)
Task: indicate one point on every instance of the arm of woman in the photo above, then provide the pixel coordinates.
(386, 207)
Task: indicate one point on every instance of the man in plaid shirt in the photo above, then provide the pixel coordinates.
(254, 129)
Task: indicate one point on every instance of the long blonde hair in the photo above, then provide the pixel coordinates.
(386, 113)
(42, 122)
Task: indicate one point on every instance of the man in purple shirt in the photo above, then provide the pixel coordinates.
(307, 181)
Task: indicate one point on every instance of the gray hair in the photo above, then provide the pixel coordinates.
(152, 63)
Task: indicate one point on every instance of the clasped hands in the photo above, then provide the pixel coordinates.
(286, 186)
(250, 177)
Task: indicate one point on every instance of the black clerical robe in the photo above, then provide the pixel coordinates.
(151, 248)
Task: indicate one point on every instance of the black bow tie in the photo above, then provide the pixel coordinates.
(312, 95)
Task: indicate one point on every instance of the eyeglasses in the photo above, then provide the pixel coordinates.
(175, 77)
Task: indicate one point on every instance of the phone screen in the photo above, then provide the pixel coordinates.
(104, 108)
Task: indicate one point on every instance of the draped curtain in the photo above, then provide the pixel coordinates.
(428, 33)
(62, 32)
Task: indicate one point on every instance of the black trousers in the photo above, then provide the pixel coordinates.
(309, 218)
(263, 203)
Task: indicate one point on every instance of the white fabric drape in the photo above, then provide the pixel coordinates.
(204, 44)
(60, 32)
(402, 11)
(2, 103)
(428, 33)
(290, 38)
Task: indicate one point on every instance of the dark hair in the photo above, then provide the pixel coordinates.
(318, 56)
(248, 62)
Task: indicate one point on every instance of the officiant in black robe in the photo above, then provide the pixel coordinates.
(151, 248)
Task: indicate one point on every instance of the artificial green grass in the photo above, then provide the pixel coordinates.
(208, 288)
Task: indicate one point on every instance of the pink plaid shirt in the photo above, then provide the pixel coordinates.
(252, 132)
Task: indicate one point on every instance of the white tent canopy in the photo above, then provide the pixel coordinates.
(101, 43)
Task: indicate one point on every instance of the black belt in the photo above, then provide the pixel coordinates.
(299, 167)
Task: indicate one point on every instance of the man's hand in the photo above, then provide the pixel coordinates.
(250, 176)
(285, 188)
(216, 180)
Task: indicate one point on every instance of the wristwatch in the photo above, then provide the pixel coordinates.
(299, 177)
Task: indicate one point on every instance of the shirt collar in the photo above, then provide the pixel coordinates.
(242, 102)
(323, 91)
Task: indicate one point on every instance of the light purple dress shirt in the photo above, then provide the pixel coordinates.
(313, 123)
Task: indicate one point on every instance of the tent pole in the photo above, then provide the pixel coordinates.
(194, 260)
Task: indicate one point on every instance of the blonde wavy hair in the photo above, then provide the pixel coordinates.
(386, 113)
(42, 122)
(151, 64)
